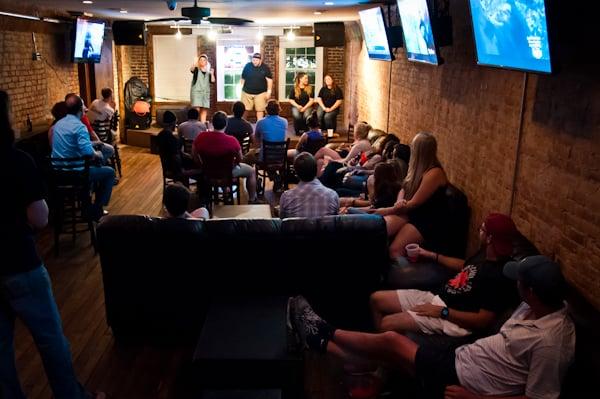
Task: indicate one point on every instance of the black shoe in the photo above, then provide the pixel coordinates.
(313, 331)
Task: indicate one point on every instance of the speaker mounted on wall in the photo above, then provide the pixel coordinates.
(129, 33)
(329, 34)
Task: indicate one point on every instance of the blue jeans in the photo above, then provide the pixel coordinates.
(103, 180)
(328, 120)
(300, 119)
(29, 296)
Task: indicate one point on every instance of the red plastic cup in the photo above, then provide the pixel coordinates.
(412, 252)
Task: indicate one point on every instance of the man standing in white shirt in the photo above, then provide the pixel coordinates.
(528, 358)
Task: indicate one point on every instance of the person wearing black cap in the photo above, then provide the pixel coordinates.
(170, 148)
(257, 84)
(527, 358)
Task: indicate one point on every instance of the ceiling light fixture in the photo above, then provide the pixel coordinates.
(212, 35)
(178, 34)
(329, 3)
(318, 12)
(87, 2)
(123, 11)
(10, 14)
(290, 36)
(260, 36)
(88, 14)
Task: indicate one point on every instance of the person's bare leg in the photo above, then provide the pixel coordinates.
(259, 115)
(388, 348)
(382, 304)
(394, 223)
(371, 186)
(323, 151)
(399, 322)
(350, 362)
(203, 112)
(408, 234)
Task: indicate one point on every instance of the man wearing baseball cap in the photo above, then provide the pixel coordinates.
(528, 358)
(470, 301)
(257, 84)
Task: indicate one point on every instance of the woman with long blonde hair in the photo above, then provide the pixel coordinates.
(421, 206)
(301, 99)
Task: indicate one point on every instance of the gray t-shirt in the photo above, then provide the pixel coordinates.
(527, 357)
(190, 129)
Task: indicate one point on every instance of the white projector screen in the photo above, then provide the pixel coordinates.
(172, 61)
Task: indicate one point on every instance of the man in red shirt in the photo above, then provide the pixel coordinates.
(218, 145)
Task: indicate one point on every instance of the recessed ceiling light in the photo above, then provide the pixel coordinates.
(123, 11)
(317, 13)
(329, 3)
(87, 2)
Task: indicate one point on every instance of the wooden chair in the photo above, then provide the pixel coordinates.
(217, 173)
(104, 131)
(70, 198)
(274, 161)
(245, 144)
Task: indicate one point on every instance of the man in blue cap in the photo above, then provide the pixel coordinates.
(529, 357)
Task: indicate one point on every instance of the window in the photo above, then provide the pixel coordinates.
(299, 56)
(231, 59)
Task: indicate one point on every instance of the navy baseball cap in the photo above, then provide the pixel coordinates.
(256, 55)
(540, 273)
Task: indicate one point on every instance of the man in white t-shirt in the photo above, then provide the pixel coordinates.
(102, 109)
(528, 358)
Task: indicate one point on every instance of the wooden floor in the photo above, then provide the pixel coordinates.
(126, 371)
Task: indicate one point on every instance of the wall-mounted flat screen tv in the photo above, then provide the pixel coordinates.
(89, 36)
(511, 34)
(418, 35)
(374, 34)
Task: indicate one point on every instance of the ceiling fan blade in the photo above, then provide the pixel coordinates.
(173, 19)
(229, 21)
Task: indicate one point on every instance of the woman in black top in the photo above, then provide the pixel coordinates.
(329, 99)
(301, 100)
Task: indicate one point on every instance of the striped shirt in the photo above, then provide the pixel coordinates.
(309, 199)
(527, 357)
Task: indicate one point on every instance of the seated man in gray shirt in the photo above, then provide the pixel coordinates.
(528, 358)
(192, 127)
(310, 198)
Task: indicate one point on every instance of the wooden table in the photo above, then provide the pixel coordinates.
(259, 211)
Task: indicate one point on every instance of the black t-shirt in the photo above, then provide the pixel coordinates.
(24, 185)
(169, 148)
(302, 99)
(238, 128)
(480, 285)
(255, 81)
(329, 97)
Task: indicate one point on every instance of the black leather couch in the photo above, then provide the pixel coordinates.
(161, 274)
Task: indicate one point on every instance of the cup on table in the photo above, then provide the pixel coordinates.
(329, 133)
(412, 252)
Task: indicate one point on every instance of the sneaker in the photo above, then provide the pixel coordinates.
(314, 332)
(257, 201)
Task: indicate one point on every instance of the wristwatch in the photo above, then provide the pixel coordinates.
(444, 313)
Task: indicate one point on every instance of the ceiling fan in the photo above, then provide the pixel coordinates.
(198, 15)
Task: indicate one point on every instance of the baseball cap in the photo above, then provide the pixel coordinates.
(257, 55)
(503, 231)
(540, 273)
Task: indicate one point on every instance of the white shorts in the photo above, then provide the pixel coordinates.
(428, 325)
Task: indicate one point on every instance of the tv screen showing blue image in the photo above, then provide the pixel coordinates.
(511, 34)
(374, 34)
(89, 36)
(416, 28)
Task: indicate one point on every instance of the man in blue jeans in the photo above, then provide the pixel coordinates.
(25, 289)
(70, 140)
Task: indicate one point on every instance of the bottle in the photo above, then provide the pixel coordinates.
(29, 124)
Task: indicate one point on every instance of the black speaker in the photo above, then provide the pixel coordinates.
(329, 34)
(131, 33)
(394, 34)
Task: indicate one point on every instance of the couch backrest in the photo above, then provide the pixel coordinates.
(161, 273)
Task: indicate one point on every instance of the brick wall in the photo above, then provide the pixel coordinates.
(270, 52)
(34, 86)
(134, 61)
(475, 113)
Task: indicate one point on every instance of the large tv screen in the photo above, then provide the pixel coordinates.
(418, 35)
(374, 33)
(89, 36)
(511, 34)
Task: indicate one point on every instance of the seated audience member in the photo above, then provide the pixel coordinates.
(310, 198)
(329, 99)
(59, 111)
(472, 300)
(310, 141)
(70, 140)
(102, 109)
(192, 127)
(25, 287)
(237, 126)
(361, 144)
(528, 358)
(421, 207)
(178, 163)
(387, 184)
(301, 100)
(105, 149)
(176, 202)
(270, 128)
(217, 144)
